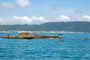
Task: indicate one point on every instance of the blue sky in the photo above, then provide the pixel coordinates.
(41, 11)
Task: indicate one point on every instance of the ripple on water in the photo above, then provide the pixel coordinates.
(42, 49)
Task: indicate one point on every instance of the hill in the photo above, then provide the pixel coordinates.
(51, 26)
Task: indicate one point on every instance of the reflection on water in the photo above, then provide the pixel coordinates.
(69, 47)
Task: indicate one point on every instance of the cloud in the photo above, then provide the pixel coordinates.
(86, 17)
(41, 19)
(38, 20)
(2, 21)
(23, 3)
(29, 20)
(7, 5)
(22, 20)
(63, 18)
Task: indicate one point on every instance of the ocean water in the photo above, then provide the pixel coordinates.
(72, 46)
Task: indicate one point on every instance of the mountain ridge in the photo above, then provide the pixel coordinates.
(51, 26)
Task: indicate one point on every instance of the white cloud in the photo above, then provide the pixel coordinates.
(38, 20)
(1, 21)
(86, 17)
(41, 18)
(23, 3)
(63, 18)
(22, 20)
(7, 5)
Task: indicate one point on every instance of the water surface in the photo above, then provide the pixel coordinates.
(69, 47)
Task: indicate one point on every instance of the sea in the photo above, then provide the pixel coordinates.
(70, 46)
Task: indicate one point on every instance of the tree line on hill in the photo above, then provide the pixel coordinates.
(51, 26)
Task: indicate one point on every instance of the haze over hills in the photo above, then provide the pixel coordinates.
(51, 26)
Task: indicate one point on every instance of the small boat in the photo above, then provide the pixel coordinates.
(26, 35)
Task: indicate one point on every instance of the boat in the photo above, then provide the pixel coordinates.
(27, 35)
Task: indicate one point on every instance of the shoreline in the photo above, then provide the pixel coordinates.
(19, 31)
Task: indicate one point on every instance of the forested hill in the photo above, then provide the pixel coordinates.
(51, 26)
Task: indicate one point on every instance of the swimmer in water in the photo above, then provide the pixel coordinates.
(62, 40)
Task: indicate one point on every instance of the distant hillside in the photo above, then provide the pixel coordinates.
(51, 26)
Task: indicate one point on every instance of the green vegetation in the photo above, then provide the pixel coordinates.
(51, 26)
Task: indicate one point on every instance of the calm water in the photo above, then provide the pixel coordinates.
(69, 47)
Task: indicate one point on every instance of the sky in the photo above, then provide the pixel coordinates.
(43, 11)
